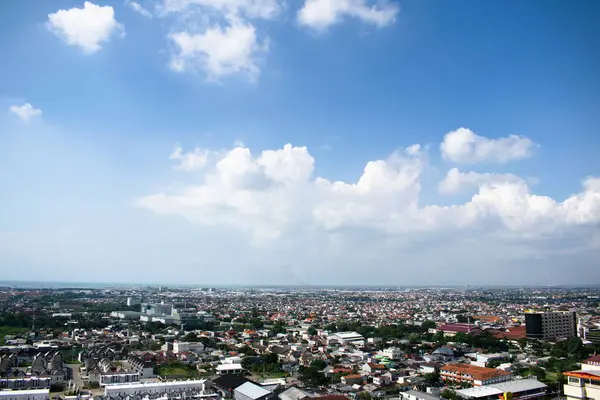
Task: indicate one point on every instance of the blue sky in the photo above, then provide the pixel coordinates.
(146, 141)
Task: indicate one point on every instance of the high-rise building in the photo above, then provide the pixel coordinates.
(550, 325)
(133, 301)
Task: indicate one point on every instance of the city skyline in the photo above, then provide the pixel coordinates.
(414, 143)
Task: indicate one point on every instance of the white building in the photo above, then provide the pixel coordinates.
(226, 369)
(132, 315)
(346, 337)
(118, 378)
(416, 395)
(585, 383)
(180, 347)
(393, 353)
(33, 394)
(133, 301)
(154, 387)
(251, 391)
(521, 389)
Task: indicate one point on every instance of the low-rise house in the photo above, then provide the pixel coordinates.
(228, 369)
(382, 380)
(226, 384)
(393, 353)
(371, 367)
(352, 379)
(293, 393)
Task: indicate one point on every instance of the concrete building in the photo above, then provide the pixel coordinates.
(130, 315)
(346, 337)
(417, 395)
(225, 369)
(133, 301)
(198, 386)
(584, 383)
(588, 332)
(252, 391)
(393, 353)
(293, 393)
(476, 376)
(116, 378)
(32, 394)
(157, 309)
(144, 368)
(520, 389)
(550, 325)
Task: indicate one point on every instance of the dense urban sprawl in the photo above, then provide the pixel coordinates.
(292, 344)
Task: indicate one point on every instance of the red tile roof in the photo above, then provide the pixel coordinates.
(464, 328)
(478, 373)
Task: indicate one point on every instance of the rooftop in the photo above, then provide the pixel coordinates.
(252, 390)
(6, 393)
(478, 373)
(516, 386)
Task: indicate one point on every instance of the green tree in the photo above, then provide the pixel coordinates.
(522, 343)
(449, 394)
(432, 378)
(191, 337)
(414, 338)
(312, 377)
(425, 326)
(319, 364)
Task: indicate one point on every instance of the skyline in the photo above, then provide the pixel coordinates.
(263, 142)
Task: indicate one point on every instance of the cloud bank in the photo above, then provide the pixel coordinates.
(274, 197)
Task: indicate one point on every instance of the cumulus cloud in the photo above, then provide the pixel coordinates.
(190, 161)
(138, 8)
(321, 14)
(219, 51)
(275, 194)
(26, 111)
(456, 181)
(85, 27)
(464, 146)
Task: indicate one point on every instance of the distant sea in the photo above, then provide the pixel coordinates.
(67, 285)
(127, 285)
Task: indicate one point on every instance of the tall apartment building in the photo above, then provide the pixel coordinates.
(550, 325)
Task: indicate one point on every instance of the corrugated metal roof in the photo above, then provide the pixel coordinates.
(251, 390)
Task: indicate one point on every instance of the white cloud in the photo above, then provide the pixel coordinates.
(274, 195)
(219, 52)
(138, 8)
(456, 181)
(264, 9)
(464, 146)
(321, 14)
(191, 161)
(85, 27)
(25, 111)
